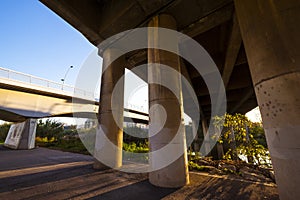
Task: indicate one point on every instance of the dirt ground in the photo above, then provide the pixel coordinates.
(49, 174)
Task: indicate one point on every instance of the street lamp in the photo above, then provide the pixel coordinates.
(63, 79)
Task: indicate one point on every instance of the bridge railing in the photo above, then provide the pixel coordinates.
(33, 80)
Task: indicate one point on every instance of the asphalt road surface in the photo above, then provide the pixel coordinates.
(49, 174)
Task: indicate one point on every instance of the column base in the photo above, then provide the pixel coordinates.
(100, 166)
(171, 176)
(22, 135)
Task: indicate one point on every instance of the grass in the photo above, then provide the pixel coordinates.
(72, 145)
(133, 147)
(76, 146)
(201, 168)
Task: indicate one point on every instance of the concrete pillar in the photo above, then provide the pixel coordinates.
(270, 32)
(207, 147)
(176, 173)
(22, 135)
(109, 123)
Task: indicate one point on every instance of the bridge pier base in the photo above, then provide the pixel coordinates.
(270, 31)
(21, 135)
(110, 113)
(174, 174)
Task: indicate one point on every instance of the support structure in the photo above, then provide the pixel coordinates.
(207, 146)
(107, 121)
(176, 173)
(271, 40)
(22, 135)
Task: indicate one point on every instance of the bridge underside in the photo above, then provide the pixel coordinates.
(242, 37)
(18, 104)
(212, 24)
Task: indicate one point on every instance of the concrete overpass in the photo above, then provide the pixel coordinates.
(255, 45)
(25, 98)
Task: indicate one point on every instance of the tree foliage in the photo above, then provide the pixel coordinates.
(242, 137)
(50, 129)
(4, 128)
(131, 131)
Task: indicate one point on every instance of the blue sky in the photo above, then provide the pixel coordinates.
(36, 41)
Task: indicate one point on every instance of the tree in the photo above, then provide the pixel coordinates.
(50, 129)
(135, 134)
(258, 133)
(238, 134)
(4, 128)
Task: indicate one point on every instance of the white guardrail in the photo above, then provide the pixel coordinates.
(47, 84)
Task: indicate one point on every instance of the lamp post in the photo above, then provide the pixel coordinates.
(63, 79)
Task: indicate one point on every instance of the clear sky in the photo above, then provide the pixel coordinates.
(36, 41)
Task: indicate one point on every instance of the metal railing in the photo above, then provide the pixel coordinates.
(37, 81)
(136, 107)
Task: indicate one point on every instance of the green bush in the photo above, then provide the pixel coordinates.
(243, 138)
(141, 134)
(195, 166)
(49, 129)
(71, 145)
(133, 147)
(4, 128)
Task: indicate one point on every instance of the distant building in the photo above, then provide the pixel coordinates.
(90, 123)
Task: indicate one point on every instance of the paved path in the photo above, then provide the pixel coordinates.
(15, 159)
(49, 174)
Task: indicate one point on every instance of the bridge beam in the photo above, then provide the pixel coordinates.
(22, 135)
(174, 174)
(111, 112)
(272, 44)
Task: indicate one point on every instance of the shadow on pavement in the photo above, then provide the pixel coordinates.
(47, 174)
(33, 179)
(141, 190)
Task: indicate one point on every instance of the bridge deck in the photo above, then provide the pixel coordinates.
(25, 96)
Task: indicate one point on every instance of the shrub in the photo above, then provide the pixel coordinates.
(4, 128)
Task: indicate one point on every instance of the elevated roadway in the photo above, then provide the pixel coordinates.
(24, 96)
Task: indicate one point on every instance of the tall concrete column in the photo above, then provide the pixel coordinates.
(270, 32)
(111, 112)
(176, 173)
(206, 143)
(22, 135)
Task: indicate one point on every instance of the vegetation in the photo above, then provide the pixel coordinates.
(71, 145)
(242, 137)
(51, 134)
(195, 166)
(242, 146)
(4, 128)
(240, 140)
(239, 137)
(133, 147)
(50, 129)
(131, 131)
